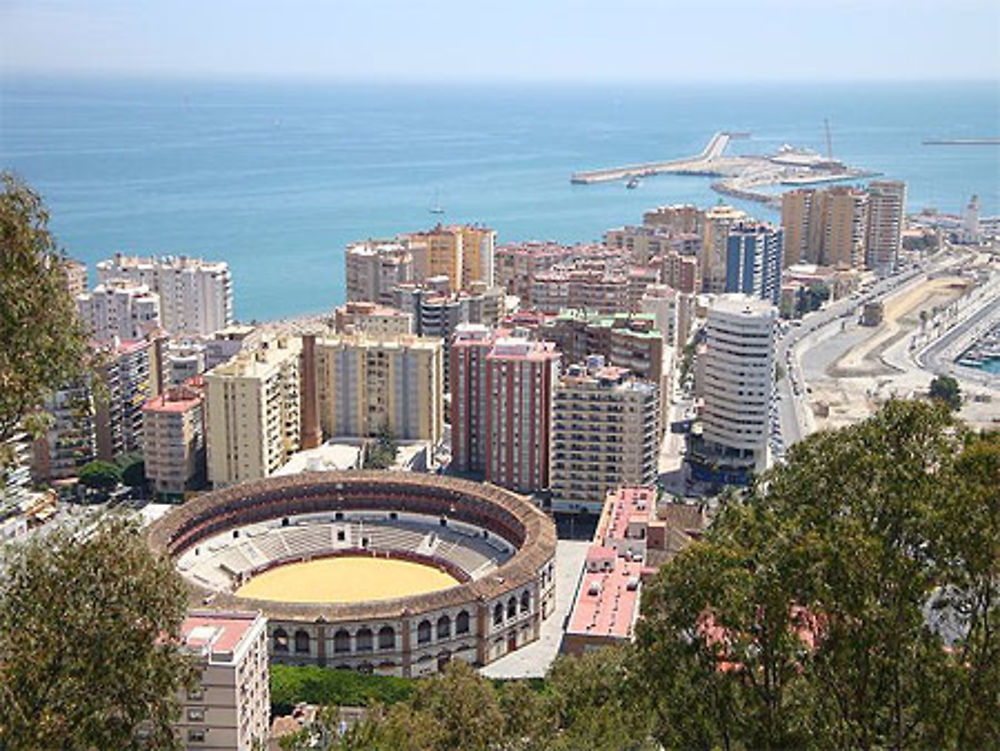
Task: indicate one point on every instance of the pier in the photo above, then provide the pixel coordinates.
(694, 165)
(741, 176)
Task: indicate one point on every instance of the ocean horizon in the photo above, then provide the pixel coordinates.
(277, 177)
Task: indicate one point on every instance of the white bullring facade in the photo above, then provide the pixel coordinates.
(496, 544)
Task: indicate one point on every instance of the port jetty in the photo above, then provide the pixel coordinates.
(741, 176)
(962, 142)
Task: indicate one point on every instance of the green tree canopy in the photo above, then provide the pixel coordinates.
(86, 654)
(133, 469)
(945, 389)
(848, 601)
(98, 475)
(42, 343)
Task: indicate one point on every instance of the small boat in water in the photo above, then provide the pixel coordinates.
(633, 183)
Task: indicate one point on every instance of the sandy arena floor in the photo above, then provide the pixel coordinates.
(346, 579)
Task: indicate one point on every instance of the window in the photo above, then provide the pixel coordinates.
(342, 641)
(444, 627)
(424, 632)
(363, 640)
(387, 637)
(280, 640)
(196, 694)
(462, 623)
(196, 714)
(196, 735)
(498, 614)
(525, 601)
(301, 641)
(511, 607)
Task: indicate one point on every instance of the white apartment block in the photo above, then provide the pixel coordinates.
(605, 434)
(374, 267)
(886, 209)
(196, 296)
(369, 384)
(252, 412)
(229, 709)
(119, 308)
(739, 377)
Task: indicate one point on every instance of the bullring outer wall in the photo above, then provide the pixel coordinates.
(503, 609)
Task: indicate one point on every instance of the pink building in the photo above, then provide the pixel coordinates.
(501, 409)
(607, 600)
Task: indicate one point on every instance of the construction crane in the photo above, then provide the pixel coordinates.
(829, 141)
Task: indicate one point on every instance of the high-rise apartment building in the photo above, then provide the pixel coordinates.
(887, 207)
(196, 296)
(605, 434)
(825, 227)
(714, 245)
(229, 709)
(501, 406)
(463, 253)
(520, 380)
(69, 440)
(119, 308)
(738, 384)
(753, 260)
(374, 267)
(663, 303)
(467, 386)
(252, 412)
(128, 381)
(682, 272)
(368, 385)
(624, 339)
(174, 439)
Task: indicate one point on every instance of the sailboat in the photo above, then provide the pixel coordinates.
(435, 207)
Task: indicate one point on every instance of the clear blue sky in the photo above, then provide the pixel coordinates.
(585, 40)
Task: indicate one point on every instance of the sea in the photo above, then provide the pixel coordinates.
(277, 177)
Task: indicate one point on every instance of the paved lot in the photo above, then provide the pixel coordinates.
(533, 660)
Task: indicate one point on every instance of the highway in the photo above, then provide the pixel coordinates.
(792, 420)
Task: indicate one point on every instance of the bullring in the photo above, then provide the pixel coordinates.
(496, 547)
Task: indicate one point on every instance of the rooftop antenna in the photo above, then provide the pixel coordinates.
(829, 141)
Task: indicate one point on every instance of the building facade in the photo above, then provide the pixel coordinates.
(605, 433)
(753, 260)
(374, 267)
(887, 210)
(715, 244)
(367, 385)
(196, 296)
(520, 380)
(825, 227)
(70, 439)
(253, 412)
(371, 319)
(119, 308)
(174, 445)
(229, 709)
(738, 383)
(127, 375)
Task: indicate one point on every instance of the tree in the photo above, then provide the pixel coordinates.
(88, 641)
(849, 599)
(133, 470)
(42, 343)
(101, 476)
(382, 453)
(945, 389)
